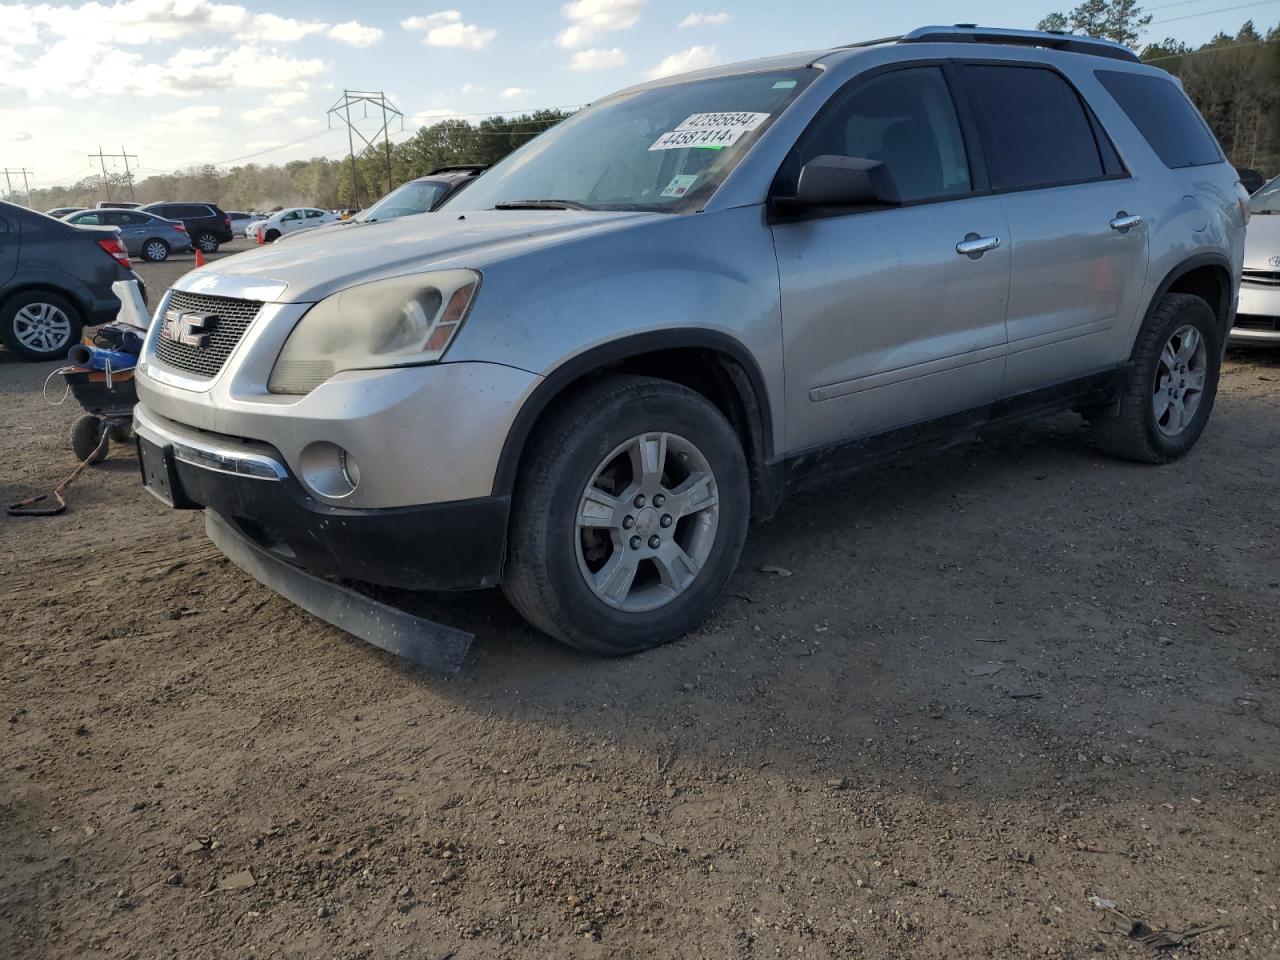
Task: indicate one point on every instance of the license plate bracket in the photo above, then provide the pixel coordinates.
(159, 475)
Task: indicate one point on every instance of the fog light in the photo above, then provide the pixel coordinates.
(329, 470)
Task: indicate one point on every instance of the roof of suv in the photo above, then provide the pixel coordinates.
(961, 33)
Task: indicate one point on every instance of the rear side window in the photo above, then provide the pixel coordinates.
(1038, 133)
(1164, 116)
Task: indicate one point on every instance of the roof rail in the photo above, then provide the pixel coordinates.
(1070, 42)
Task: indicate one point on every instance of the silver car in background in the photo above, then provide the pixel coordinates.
(581, 377)
(1258, 321)
(144, 234)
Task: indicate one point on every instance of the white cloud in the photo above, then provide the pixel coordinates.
(446, 29)
(704, 20)
(190, 115)
(74, 67)
(264, 114)
(287, 98)
(355, 33)
(431, 20)
(469, 88)
(695, 58)
(304, 122)
(130, 22)
(590, 18)
(597, 59)
(267, 27)
(515, 93)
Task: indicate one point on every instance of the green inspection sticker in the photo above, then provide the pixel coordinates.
(784, 85)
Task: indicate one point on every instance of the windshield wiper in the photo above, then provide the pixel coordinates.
(541, 205)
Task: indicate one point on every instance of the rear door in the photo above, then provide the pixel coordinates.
(1078, 237)
(133, 227)
(886, 322)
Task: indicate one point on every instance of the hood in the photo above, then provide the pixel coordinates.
(1262, 241)
(316, 263)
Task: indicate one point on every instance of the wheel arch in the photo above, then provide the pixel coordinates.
(1205, 275)
(77, 298)
(709, 362)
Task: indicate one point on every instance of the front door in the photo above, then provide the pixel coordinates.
(892, 316)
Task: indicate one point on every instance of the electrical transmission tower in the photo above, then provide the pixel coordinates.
(366, 99)
(14, 171)
(102, 159)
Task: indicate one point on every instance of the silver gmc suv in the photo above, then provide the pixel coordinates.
(582, 376)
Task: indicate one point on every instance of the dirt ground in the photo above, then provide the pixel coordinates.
(995, 683)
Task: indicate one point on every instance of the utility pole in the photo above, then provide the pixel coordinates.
(26, 185)
(102, 159)
(378, 100)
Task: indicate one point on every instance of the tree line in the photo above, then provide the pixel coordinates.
(320, 181)
(1233, 79)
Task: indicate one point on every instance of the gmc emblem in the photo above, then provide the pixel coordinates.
(188, 327)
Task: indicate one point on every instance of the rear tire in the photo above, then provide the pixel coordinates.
(39, 325)
(86, 434)
(1172, 385)
(155, 251)
(207, 243)
(659, 476)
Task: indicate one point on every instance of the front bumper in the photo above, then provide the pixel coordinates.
(441, 546)
(1258, 316)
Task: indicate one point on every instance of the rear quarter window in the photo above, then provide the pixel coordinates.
(1165, 118)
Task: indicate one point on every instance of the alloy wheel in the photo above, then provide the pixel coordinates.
(646, 522)
(42, 327)
(156, 251)
(1180, 380)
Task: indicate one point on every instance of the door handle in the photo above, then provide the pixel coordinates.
(974, 246)
(1123, 221)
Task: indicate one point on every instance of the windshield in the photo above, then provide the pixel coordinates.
(666, 149)
(414, 197)
(1267, 199)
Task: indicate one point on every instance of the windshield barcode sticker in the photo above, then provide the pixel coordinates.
(705, 121)
(710, 131)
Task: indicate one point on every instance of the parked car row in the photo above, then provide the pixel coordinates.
(55, 279)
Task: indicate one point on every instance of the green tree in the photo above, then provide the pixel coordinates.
(1119, 20)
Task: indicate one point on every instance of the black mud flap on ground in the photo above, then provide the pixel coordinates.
(431, 645)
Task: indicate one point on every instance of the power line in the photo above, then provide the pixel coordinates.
(492, 113)
(14, 171)
(1218, 49)
(278, 146)
(378, 100)
(1208, 13)
(106, 180)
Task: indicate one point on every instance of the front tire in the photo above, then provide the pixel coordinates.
(1172, 385)
(156, 251)
(272, 236)
(38, 325)
(629, 516)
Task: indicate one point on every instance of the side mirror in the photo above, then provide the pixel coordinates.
(832, 181)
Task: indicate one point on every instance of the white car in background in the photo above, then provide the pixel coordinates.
(292, 220)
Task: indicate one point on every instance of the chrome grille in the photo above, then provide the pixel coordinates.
(233, 319)
(1269, 277)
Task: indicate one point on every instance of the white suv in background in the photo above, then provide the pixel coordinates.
(292, 220)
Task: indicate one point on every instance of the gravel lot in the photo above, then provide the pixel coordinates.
(991, 684)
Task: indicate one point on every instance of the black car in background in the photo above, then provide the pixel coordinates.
(55, 279)
(206, 223)
(421, 195)
(1251, 180)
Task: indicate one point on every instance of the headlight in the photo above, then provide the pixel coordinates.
(387, 323)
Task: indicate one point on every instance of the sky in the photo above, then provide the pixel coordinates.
(184, 82)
